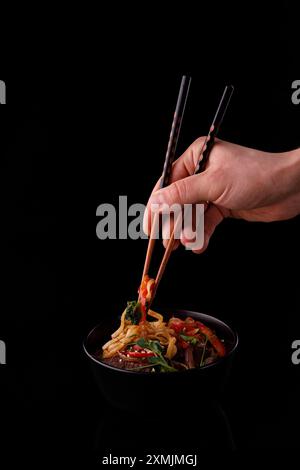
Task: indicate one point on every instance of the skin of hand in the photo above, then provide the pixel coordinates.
(238, 182)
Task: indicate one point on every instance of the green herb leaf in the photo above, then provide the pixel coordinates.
(133, 312)
(154, 346)
(189, 339)
(203, 353)
(143, 343)
(158, 360)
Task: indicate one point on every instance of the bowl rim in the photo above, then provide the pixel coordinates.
(183, 312)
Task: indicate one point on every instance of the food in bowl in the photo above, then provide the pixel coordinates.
(144, 342)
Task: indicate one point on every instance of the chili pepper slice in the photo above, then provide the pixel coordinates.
(212, 338)
(139, 354)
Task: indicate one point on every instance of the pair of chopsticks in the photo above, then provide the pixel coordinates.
(170, 156)
(169, 159)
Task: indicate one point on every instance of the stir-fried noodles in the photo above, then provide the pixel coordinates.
(145, 342)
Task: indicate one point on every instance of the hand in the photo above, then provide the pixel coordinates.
(238, 182)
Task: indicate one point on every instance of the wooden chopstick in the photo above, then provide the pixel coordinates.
(202, 161)
(169, 159)
(151, 244)
(214, 128)
(166, 257)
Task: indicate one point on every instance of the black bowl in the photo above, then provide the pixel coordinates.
(137, 391)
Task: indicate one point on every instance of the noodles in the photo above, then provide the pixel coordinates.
(116, 333)
(172, 349)
(145, 342)
(154, 330)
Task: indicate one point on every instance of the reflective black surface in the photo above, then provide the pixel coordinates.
(189, 427)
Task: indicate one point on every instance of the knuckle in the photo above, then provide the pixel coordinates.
(178, 191)
(198, 143)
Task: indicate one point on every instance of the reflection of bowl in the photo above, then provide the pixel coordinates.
(135, 391)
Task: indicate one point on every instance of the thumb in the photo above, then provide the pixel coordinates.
(191, 190)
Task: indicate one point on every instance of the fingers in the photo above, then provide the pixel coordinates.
(148, 215)
(212, 218)
(191, 221)
(190, 190)
(185, 165)
(167, 230)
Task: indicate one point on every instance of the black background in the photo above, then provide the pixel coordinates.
(92, 124)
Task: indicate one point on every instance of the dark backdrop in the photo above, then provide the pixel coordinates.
(81, 132)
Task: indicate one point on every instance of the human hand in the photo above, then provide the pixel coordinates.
(238, 182)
